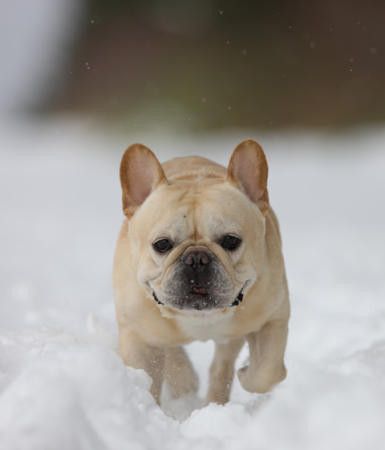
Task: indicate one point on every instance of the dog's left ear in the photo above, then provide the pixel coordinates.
(248, 171)
(140, 174)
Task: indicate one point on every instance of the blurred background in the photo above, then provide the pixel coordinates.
(193, 65)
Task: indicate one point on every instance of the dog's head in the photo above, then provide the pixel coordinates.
(196, 245)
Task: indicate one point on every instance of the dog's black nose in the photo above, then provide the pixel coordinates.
(196, 258)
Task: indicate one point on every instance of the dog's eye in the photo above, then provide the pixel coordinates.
(230, 242)
(162, 246)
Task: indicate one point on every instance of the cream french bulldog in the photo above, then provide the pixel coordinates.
(199, 257)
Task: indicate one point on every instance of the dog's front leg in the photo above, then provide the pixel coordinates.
(266, 367)
(222, 371)
(138, 354)
(179, 372)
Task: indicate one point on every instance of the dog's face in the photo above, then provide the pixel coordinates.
(196, 246)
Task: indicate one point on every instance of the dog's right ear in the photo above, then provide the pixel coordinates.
(140, 174)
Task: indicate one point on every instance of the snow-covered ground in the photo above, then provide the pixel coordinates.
(62, 384)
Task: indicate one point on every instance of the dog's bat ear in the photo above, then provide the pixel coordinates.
(140, 174)
(248, 171)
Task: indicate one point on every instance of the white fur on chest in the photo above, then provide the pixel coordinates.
(206, 325)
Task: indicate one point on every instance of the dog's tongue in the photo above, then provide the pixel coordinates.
(199, 290)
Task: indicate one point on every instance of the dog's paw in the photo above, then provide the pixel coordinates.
(260, 381)
(186, 383)
(219, 397)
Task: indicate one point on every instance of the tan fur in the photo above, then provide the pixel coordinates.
(195, 198)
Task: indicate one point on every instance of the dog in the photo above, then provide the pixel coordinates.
(199, 257)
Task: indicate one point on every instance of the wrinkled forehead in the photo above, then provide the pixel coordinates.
(196, 212)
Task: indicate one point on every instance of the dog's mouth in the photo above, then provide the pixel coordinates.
(156, 298)
(238, 300)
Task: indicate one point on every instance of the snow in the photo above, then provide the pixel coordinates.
(62, 383)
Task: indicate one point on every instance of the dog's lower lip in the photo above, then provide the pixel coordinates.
(198, 295)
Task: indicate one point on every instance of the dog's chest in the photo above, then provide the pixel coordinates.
(206, 326)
